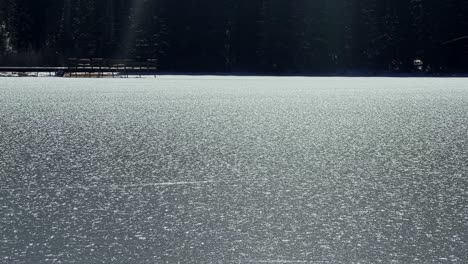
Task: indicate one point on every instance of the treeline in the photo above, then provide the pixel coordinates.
(242, 36)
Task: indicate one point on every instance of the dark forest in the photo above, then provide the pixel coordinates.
(309, 37)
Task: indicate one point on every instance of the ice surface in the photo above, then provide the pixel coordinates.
(233, 170)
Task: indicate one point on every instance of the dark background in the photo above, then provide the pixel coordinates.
(309, 37)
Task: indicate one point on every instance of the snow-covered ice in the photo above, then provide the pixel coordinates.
(181, 169)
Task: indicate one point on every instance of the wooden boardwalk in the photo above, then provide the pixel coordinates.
(98, 67)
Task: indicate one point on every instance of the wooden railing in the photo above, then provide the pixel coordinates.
(102, 66)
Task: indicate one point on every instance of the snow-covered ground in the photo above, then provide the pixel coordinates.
(183, 169)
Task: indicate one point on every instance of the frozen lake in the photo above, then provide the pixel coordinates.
(233, 170)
